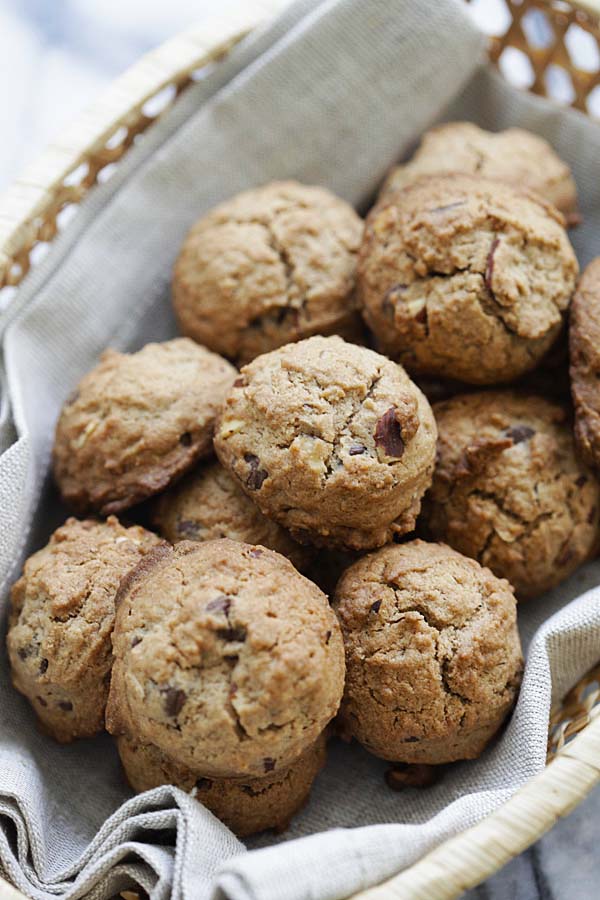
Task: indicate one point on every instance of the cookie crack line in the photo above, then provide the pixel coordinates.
(334, 456)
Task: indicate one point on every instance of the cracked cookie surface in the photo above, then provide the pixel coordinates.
(465, 278)
(226, 658)
(509, 490)
(584, 359)
(61, 621)
(332, 440)
(137, 422)
(273, 264)
(209, 504)
(247, 806)
(433, 657)
(514, 156)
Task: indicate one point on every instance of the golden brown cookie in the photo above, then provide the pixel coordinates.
(465, 278)
(137, 422)
(61, 621)
(226, 658)
(584, 353)
(247, 806)
(273, 264)
(433, 657)
(209, 504)
(509, 491)
(514, 156)
(331, 440)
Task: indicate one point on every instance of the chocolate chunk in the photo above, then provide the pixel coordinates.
(581, 480)
(220, 604)
(232, 634)
(136, 640)
(203, 784)
(421, 316)
(185, 439)
(375, 607)
(24, 652)
(327, 637)
(188, 529)
(41, 701)
(43, 666)
(256, 475)
(388, 434)
(416, 776)
(520, 433)
(268, 764)
(489, 266)
(66, 705)
(240, 382)
(173, 701)
(357, 449)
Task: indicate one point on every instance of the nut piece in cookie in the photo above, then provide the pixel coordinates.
(61, 620)
(271, 265)
(584, 358)
(247, 805)
(433, 657)
(137, 422)
(509, 490)
(226, 658)
(514, 156)
(465, 278)
(331, 440)
(209, 504)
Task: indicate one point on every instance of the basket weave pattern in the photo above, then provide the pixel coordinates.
(36, 208)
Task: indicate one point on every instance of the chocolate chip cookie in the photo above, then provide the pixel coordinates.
(509, 490)
(433, 657)
(331, 440)
(61, 620)
(584, 354)
(465, 278)
(209, 504)
(226, 658)
(247, 806)
(136, 423)
(515, 156)
(274, 264)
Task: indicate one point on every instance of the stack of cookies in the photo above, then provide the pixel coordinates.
(198, 629)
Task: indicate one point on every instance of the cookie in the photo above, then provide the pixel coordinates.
(514, 156)
(61, 621)
(209, 504)
(247, 806)
(331, 440)
(465, 278)
(509, 490)
(136, 423)
(584, 357)
(273, 264)
(433, 658)
(226, 658)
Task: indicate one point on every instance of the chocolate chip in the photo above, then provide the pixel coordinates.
(220, 604)
(187, 528)
(417, 776)
(489, 266)
(411, 740)
(173, 701)
(520, 433)
(248, 790)
(203, 784)
(375, 607)
(185, 439)
(232, 634)
(421, 316)
(66, 705)
(268, 764)
(256, 475)
(327, 637)
(357, 449)
(43, 666)
(240, 382)
(24, 652)
(388, 434)
(256, 552)
(41, 701)
(136, 640)
(581, 480)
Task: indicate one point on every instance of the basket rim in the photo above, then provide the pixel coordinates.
(468, 858)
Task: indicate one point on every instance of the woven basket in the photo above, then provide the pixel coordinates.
(36, 207)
